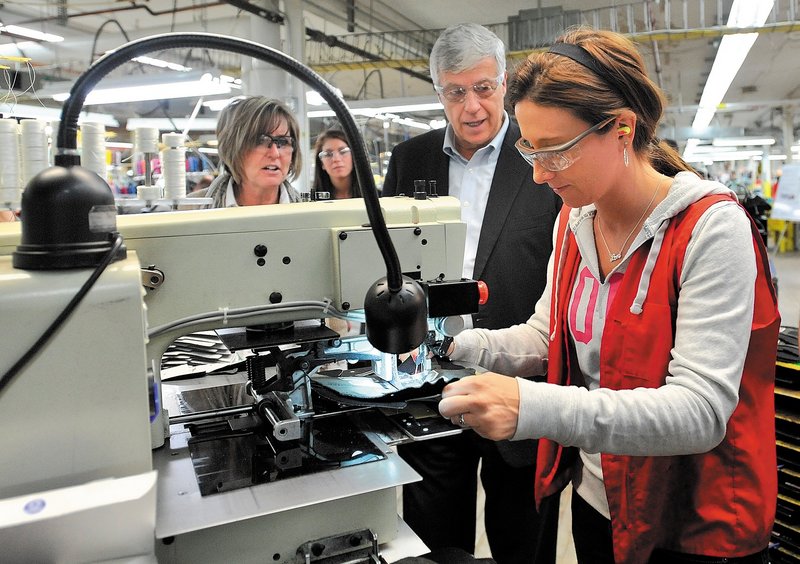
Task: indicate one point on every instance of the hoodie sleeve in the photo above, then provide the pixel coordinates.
(520, 350)
(689, 413)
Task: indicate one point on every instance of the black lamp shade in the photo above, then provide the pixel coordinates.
(396, 321)
(68, 219)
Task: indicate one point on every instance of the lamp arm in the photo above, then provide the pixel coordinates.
(67, 154)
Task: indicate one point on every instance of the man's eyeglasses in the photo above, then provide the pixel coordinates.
(560, 157)
(482, 89)
(284, 143)
(326, 155)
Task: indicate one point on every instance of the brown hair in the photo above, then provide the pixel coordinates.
(619, 82)
(322, 180)
(242, 122)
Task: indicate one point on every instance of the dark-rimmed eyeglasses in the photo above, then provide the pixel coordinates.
(560, 157)
(325, 155)
(284, 143)
(482, 89)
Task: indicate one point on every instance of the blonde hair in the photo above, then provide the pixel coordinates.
(241, 124)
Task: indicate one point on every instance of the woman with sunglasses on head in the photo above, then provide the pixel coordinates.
(657, 331)
(333, 170)
(258, 147)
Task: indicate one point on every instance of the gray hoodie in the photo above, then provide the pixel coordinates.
(715, 309)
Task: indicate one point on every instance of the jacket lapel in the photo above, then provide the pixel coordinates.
(509, 176)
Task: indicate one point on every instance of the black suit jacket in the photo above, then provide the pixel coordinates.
(516, 236)
(515, 241)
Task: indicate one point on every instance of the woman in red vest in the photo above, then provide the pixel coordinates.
(657, 332)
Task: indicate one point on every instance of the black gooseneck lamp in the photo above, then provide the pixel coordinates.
(69, 216)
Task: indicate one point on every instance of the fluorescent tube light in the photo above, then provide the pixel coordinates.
(54, 114)
(175, 124)
(712, 149)
(371, 108)
(161, 64)
(749, 13)
(411, 123)
(217, 105)
(743, 141)
(29, 33)
(724, 156)
(184, 85)
(314, 98)
(731, 53)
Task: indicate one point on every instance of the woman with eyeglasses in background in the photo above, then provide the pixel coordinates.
(657, 330)
(259, 152)
(333, 171)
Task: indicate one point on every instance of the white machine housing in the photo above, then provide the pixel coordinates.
(80, 411)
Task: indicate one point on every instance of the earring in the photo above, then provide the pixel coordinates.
(625, 154)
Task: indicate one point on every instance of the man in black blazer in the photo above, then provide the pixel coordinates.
(509, 240)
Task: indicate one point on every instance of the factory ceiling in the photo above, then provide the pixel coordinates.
(377, 49)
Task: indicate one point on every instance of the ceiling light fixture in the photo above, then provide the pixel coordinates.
(743, 141)
(54, 114)
(160, 63)
(731, 53)
(371, 108)
(724, 156)
(28, 33)
(174, 124)
(217, 105)
(153, 87)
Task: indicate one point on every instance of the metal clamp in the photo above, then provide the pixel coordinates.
(152, 277)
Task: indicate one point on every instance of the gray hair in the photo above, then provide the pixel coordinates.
(242, 122)
(462, 46)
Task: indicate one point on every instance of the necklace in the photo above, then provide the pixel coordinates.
(614, 257)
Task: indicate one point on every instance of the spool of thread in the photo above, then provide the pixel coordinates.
(33, 148)
(145, 145)
(93, 148)
(148, 193)
(173, 165)
(145, 140)
(10, 187)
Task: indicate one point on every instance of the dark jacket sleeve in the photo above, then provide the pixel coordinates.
(419, 158)
(390, 180)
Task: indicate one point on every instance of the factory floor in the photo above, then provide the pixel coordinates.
(787, 267)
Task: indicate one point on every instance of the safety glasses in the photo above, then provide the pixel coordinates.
(556, 159)
(482, 89)
(327, 155)
(284, 143)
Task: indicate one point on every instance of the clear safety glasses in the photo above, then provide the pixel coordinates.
(556, 159)
(482, 89)
(327, 155)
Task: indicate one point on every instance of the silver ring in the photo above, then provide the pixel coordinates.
(461, 420)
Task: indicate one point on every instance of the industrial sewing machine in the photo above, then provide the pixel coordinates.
(238, 480)
(294, 465)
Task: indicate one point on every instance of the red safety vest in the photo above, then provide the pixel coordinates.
(720, 503)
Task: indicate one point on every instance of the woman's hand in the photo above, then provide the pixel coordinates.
(488, 403)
